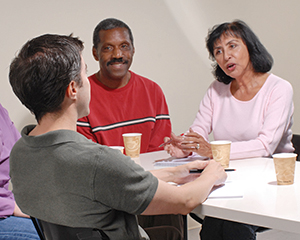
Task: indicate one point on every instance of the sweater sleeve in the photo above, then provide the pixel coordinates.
(203, 121)
(8, 137)
(7, 201)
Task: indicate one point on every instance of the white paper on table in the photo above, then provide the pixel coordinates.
(173, 162)
(231, 189)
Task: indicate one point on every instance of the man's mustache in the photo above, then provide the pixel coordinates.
(117, 60)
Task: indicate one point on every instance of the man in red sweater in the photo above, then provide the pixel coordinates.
(121, 100)
(125, 102)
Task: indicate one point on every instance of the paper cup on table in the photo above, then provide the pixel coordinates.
(118, 148)
(285, 167)
(132, 143)
(221, 152)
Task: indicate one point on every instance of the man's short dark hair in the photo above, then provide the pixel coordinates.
(107, 24)
(260, 58)
(41, 72)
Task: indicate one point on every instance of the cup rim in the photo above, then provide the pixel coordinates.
(220, 142)
(131, 134)
(284, 155)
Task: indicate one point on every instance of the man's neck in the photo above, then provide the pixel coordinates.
(52, 122)
(113, 83)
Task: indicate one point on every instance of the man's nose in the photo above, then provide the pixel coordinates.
(117, 53)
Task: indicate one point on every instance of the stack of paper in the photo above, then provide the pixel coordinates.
(172, 161)
(231, 189)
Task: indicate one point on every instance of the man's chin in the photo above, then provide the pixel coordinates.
(84, 114)
(115, 74)
(118, 70)
(118, 76)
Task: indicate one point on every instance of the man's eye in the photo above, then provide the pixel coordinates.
(107, 48)
(125, 46)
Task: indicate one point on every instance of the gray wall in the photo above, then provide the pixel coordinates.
(169, 40)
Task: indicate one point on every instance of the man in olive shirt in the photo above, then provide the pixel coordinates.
(61, 177)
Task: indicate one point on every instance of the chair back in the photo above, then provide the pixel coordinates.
(296, 144)
(38, 228)
(51, 231)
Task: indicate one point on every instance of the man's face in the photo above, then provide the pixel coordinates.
(84, 93)
(114, 53)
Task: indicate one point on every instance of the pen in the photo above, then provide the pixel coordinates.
(167, 142)
(201, 170)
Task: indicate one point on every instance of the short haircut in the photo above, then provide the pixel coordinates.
(260, 58)
(42, 70)
(107, 24)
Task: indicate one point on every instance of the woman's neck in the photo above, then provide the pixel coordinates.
(246, 87)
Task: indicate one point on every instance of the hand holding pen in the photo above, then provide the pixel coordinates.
(169, 141)
(194, 142)
(172, 145)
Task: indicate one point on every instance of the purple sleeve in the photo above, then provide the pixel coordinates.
(8, 137)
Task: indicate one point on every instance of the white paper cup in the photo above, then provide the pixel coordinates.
(285, 167)
(132, 143)
(121, 148)
(221, 152)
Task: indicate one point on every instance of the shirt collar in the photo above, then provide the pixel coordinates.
(51, 138)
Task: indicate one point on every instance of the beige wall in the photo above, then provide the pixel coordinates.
(169, 40)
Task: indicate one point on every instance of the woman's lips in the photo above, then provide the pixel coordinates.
(231, 66)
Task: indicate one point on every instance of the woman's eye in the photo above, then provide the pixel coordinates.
(217, 52)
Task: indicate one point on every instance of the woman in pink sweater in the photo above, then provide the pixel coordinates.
(246, 105)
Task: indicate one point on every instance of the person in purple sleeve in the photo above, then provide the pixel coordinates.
(14, 225)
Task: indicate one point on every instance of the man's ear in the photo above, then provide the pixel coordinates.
(95, 54)
(71, 91)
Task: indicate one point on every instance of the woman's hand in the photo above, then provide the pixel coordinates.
(193, 142)
(173, 148)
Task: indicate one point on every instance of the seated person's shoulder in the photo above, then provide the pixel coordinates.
(279, 83)
(146, 81)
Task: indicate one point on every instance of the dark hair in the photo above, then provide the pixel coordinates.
(261, 60)
(41, 72)
(107, 24)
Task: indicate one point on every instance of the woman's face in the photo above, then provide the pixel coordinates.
(232, 56)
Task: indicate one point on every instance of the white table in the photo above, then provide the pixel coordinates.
(264, 203)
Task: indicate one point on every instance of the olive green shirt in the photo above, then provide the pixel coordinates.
(64, 178)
